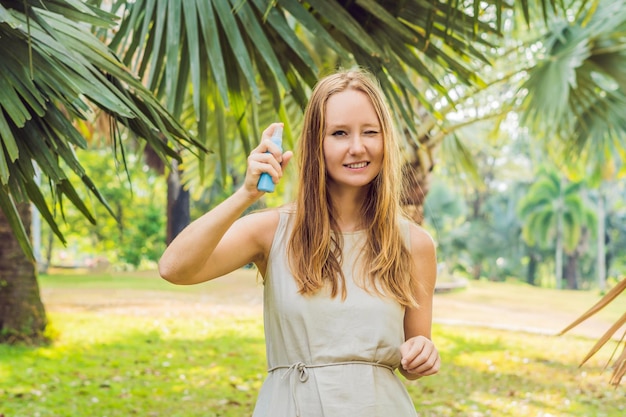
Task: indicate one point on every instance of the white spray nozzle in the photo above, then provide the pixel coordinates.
(277, 135)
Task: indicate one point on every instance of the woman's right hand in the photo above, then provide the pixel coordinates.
(267, 157)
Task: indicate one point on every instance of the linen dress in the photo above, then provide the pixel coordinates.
(329, 357)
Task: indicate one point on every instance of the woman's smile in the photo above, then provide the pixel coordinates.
(357, 165)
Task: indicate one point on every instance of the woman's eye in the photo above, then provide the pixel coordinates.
(371, 132)
(339, 133)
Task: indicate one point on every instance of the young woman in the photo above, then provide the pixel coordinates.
(348, 281)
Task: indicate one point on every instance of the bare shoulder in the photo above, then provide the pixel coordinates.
(423, 252)
(421, 241)
(261, 226)
(260, 223)
(264, 216)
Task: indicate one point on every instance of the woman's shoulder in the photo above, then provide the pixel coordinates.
(263, 218)
(288, 209)
(421, 240)
(268, 220)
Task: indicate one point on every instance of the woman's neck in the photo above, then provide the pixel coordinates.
(347, 207)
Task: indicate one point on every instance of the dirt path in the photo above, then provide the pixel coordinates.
(240, 294)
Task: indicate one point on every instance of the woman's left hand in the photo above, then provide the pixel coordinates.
(419, 357)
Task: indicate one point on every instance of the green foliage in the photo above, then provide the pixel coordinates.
(229, 51)
(476, 226)
(138, 198)
(53, 72)
(577, 90)
(479, 230)
(144, 236)
(554, 206)
(214, 177)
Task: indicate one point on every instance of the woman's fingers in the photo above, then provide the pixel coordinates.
(268, 158)
(425, 366)
(420, 356)
(260, 162)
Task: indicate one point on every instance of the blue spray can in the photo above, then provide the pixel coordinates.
(265, 181)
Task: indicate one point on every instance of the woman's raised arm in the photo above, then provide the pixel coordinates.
(221, 240)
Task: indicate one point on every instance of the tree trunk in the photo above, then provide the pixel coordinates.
(416, 184)
(477, 271)
(22, 314)
(46, 264)
(531, 272)
(558, 256)
(178, 216)
(609, 251)
(570, 271)
(601, 256)
(418, 165)
(416, 172)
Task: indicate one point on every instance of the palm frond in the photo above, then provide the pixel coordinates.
(252, 43)
(603, 302)
(620, 363)
(71, 73)
(577, 90)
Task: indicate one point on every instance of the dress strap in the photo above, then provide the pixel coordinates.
(300, 371)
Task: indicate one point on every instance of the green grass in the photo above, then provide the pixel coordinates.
(498, 373)
(128, 281)
(113, 364)
(120, 366)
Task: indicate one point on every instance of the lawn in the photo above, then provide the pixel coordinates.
(110, 363)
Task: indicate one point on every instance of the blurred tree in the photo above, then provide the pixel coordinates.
(554, 211)
(136, 234)
(574, 99)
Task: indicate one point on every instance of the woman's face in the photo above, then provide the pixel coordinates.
(353, 145)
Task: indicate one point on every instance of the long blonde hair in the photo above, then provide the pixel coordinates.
(315, 245)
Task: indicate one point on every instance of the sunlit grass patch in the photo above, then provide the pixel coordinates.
(497, 373)
(123, 365)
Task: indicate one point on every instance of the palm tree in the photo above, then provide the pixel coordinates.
(21, 297)
(249, 47)
(553, 211)
(53, 72)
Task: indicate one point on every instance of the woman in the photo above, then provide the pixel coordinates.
(348, 281)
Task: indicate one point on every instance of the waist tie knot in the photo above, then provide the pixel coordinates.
(300, 368)
(301, 371)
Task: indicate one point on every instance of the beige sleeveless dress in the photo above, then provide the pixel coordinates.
(327, 357)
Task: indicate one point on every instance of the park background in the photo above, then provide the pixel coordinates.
(513, 128)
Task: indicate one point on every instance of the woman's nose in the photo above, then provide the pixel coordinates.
(356, 144)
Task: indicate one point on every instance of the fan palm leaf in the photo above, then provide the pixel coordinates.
(577, 91)
(67, 74)
(242, 45)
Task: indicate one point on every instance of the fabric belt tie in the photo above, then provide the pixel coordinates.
(300, 370)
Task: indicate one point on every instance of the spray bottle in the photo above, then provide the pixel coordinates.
(265, 181)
